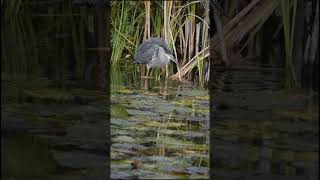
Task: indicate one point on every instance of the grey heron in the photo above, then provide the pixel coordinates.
(155, 52)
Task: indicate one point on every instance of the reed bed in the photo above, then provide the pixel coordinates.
(33, 39)
(173, 21)
(42, 43)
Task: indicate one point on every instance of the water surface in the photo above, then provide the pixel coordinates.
(159, 129)
(261, 129)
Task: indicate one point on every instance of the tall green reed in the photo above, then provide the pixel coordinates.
(18, 42)
(126, 29)
(288, 9)
(174, 21)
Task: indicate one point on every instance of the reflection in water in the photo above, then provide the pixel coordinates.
(260, 129)
(165, 132)
(36, 159)
(163, 88)
(51, 133)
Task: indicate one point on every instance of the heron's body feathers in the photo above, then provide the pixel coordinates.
(148, 52)
(155, 52)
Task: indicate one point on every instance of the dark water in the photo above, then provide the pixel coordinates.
(261, 130)
(51, 133)
(159, 129)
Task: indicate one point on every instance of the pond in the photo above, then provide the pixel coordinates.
(261, 129)
(51, 133)
(159, 129)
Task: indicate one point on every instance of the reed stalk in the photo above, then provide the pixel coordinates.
(288, 17)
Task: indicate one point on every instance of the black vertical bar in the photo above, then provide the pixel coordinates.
(107, 84)
(211, 103)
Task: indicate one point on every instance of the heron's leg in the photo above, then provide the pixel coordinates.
(163, 69)
(146, 85)
(167, 73)
(148, 69)
(147, 73)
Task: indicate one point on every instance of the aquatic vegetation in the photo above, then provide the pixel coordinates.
(50, 94)
(160, 138)
(117, 111)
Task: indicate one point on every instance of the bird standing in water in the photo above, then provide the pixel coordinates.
(155, 52)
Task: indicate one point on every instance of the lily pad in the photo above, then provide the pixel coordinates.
(198, 170)
(118, 111)
(123, 139)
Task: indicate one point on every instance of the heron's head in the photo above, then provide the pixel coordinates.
(171, 57)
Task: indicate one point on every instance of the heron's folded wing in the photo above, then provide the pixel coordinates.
(145, 53)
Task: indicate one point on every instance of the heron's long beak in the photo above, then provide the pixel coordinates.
(177, 64)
